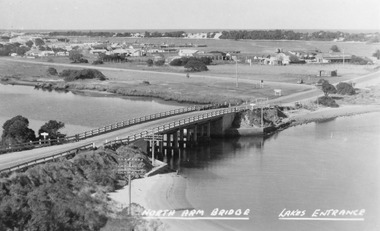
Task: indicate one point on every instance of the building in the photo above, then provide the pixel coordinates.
(335, 57)
(187, 53)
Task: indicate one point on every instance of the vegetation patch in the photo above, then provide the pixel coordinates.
(69, 194)
(327, 101)
(345, 89)
(72, 75)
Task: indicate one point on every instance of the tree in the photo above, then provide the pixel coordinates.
(294, 59)
(52, 71)
(345, 89)
(328, 88)
(29, 43)
(39, 42)
(149, 62)
(75, 56)
(196, 65)
(52, 127)
(16, 131)
(335, 48)
(376, 54)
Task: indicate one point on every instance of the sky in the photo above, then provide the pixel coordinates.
(189, 14)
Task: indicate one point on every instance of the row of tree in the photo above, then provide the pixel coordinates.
(292, 35)
(16, 131)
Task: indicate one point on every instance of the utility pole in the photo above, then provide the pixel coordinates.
(237, 78)
(125, 168)
(343, 57)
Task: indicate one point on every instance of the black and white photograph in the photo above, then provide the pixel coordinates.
(189, 115)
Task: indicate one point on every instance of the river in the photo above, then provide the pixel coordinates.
(329, 165)
(79, 112)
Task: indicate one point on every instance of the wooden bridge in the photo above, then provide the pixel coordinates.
(195, 121)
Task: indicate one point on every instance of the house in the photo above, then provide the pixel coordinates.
(187, 53)
(335, 57)
(98, 51)
(33, 53)
(47, 53)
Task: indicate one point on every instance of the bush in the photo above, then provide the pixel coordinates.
(160, 62)
(360, 61)
(52, 71)
(328, 88)
(196, 65)
(149, 62)
(176, 62)
(82, 60)
(72, 75)
(327, 101)
(345, 89)
(97, 62)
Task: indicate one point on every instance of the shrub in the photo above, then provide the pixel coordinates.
(72, 75)
(160, 62)
(82, 60)
(52, 71)
(149, 62)
(327, 101)
(97, 62)
(359, 60)
(345, 89)
(328, 88)
(195, 65)
(176, 62)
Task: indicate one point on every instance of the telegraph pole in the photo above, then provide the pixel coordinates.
(125, 168)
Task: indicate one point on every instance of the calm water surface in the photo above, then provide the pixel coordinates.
(78, 112)
(329, 165)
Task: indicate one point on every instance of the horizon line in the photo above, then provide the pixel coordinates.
(179, 29)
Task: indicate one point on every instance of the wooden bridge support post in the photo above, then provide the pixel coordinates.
(181, 135)
(188, 133)
(208, 129)
(195, 134)
(175, 139)
(202, 130)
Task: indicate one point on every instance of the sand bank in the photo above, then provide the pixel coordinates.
(304, 116)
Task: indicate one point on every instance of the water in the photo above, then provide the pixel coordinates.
(78, 112)
(330, 165)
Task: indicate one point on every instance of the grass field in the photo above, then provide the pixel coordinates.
(215, 85)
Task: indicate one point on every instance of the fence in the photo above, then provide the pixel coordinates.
(105, 129)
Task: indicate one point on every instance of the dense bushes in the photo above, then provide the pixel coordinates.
(65, 195)
(159, 62)
(345, 89)
(196, 65)
(97, 62)
(52, 71)
(72, 75)
(184, 60)
(327, 101)
(360, 61)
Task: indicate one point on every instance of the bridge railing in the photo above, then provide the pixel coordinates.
(47, 158)
(172, 125)
(105, 129)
